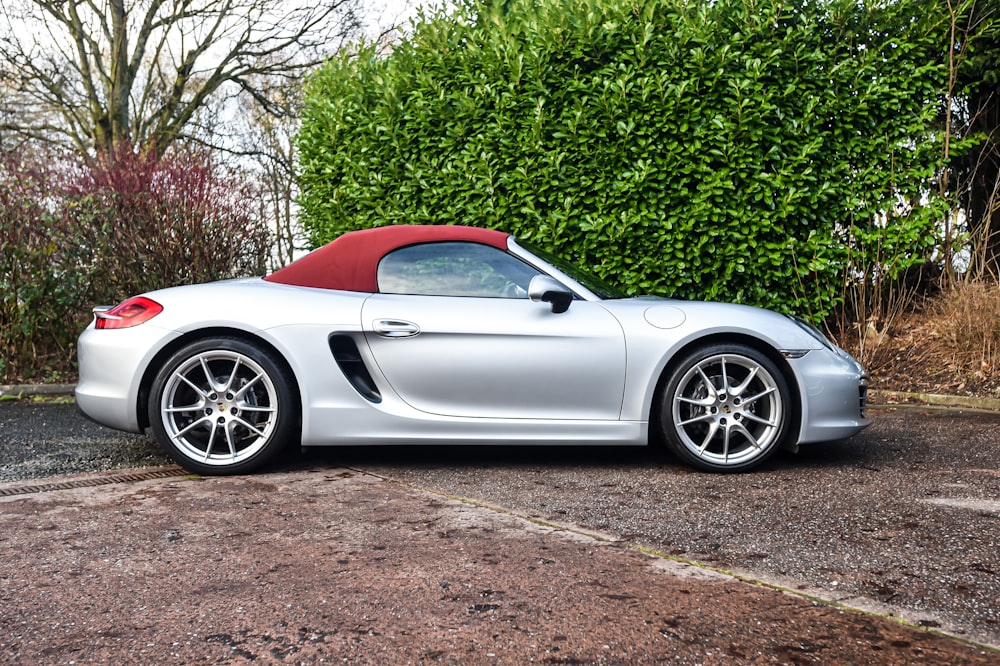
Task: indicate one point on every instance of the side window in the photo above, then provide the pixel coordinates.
(454, 269)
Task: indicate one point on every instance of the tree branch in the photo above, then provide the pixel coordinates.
(123, 71)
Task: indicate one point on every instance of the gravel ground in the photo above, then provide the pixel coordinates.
(328, 565)
(904, 518)
(907, 514)
(40, 439)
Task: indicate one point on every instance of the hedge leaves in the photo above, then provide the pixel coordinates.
(757, 151)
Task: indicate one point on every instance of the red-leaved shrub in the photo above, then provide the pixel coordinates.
(73, 235)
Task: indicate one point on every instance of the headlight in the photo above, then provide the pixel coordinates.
(816, 333)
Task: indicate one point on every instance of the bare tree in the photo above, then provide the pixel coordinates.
(264, 144)
(93, 75)
(972, 117)
(261, 141)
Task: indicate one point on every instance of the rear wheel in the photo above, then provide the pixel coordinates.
(222, 406)
(726, 408)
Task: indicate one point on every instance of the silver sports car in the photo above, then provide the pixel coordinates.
(456, 335)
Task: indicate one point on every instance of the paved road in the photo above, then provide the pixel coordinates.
(907, 514)
(44, 439)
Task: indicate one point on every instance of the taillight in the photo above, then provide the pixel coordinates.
(126, 314)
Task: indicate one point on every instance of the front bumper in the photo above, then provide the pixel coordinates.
(833, 390)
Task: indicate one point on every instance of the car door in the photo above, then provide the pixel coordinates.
(463, 339)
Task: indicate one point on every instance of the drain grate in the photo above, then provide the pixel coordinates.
(89, 482)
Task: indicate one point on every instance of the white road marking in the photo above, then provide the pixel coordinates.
(989, 506)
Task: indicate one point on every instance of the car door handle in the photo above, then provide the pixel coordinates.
(395, 328)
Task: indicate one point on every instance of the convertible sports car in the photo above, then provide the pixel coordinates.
(456, 335)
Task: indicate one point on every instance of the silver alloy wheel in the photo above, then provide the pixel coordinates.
(727, 410)
(219, 408)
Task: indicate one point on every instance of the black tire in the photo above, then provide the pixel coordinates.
(223, 406)
(726, 408)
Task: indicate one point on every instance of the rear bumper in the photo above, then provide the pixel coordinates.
(111, 366)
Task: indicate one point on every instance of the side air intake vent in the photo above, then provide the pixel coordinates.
(346, 353)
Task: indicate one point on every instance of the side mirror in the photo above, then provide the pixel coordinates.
(548, 290)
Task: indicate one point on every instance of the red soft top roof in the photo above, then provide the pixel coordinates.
(350, 262)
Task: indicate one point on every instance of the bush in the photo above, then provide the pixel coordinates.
(738, 150)
(40, 280)
(158, 223)
(73, 236)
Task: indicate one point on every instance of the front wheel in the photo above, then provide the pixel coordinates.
(726, 408)
(222, 406)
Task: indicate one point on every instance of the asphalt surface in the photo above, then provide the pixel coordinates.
(903, 519)
(42, 439)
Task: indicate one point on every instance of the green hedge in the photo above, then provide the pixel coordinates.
(735, 150)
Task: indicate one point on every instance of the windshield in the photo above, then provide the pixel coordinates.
(591, 282)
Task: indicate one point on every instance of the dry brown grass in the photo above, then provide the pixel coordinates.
(951, 344)
(966, 326)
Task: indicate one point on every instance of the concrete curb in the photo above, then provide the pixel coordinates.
(902, 399)
(13, 391)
